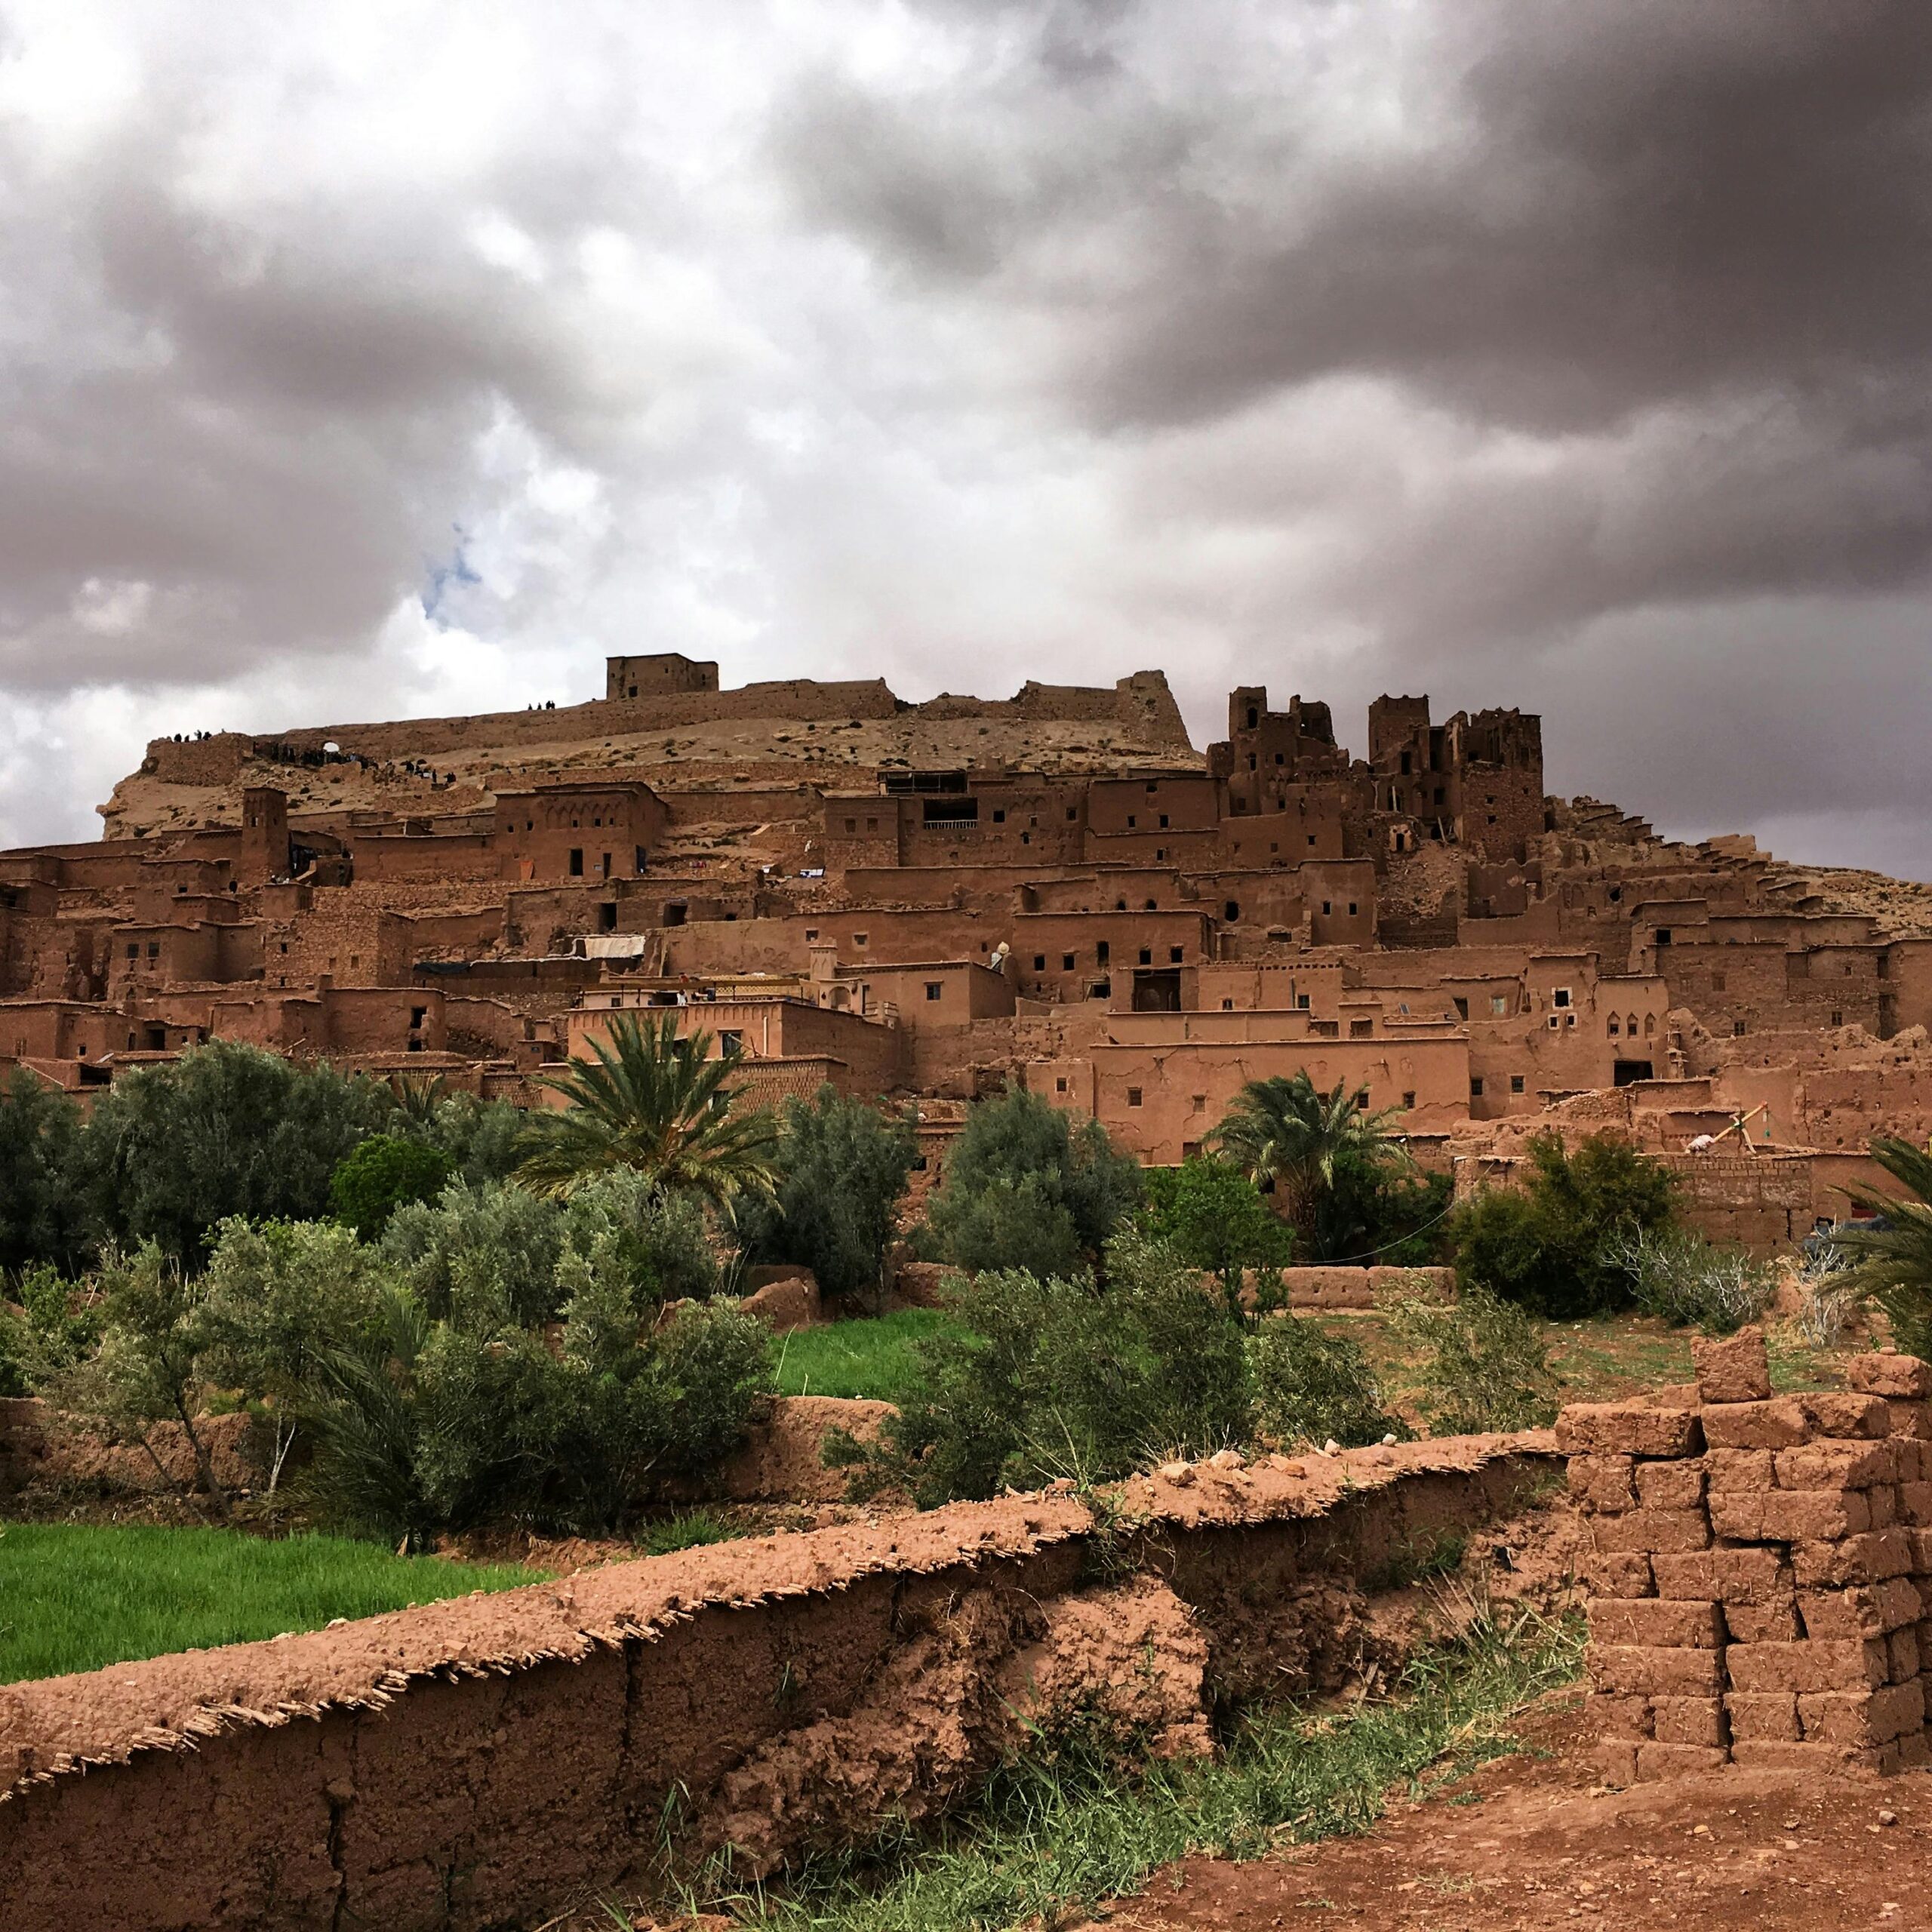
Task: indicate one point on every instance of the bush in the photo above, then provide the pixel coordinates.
(44, 1209)
(1551, 1247)
(381, 1175)
(1377, 1210)
(1023, 1188)
(1215, 1219)
(57, 1328)
(1483, 1362)
(1050, 1377)
(226, 1130)
(1311, 1385)
(842, 1173)
(1687, 1281)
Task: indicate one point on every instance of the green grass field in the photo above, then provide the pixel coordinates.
(75, 1597)
(870, 1357)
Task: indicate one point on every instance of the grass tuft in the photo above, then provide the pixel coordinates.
(77, 1597)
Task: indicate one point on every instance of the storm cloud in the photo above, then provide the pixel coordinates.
(359, 364)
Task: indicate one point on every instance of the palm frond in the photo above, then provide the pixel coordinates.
(648, 1100)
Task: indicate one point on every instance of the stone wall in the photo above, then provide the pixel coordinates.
(1761, 1583)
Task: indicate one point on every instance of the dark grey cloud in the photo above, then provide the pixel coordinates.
(1574, 356)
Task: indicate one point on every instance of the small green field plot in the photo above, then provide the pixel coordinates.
(872, 1357)
(75, 1597)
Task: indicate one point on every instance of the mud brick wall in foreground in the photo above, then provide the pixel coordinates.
(1761, 1582)
(486, 1762)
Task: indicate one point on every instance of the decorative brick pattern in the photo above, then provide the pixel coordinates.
(1761, 1583)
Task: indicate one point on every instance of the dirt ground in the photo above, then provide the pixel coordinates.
(1533, 1840)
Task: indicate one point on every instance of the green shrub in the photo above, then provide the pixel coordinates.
(226, 1130)
(1046, 1377)
(1311, 1385)
(842, 1173)
(1551, 1247)
(43, 1205)
(1215, 1218)
(56, 1328)
(1024, 1188)
(1483, 1363)
(382, 1174)
(1690, 1282)
(488, 1250)
(1381, 1210)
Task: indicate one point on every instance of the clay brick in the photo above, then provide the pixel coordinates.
(1602, 1483)
(1689, 1721)
(1865, 1559)
(1631, 1670)
(1774, 1623)
(1904, 1648)
(1844, 1412)
(1628, 1429)
(1790, 1516)
(1779, 1424)
(1766, 1755)
(1915, 1750)
(1616, 1572)
(1652, 1620)
(1723, 1575)
(1913, 1420)
(1915, 1458)
(1836, 1465)
(1659, 1762)
(1615, 1762)
(1652, 1530)
(1890, 1375)
(1762, 1716)
(1815, 1666)
(1883, 1502)
(1918, 1543)
(1862, 1717)
(1739, 1468)
(1611, 1716)
(1732, 1368)
(1678, 1485)
(1866, 1609)
(1915, 1504)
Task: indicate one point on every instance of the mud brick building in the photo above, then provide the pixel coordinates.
(930, 901)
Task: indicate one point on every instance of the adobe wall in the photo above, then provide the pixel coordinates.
(1761, 1584)
(480, 1762)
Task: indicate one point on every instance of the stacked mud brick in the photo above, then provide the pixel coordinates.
(1761, 1583)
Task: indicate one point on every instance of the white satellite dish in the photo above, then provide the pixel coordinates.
(330, 745)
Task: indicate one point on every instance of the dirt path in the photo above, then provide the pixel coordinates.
(1532, 1842)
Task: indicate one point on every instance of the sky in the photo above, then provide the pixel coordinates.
(371, 360)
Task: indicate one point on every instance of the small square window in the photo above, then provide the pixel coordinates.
(1499, 1003)
(1408, 1100)
(1737, 1029)
(1515, 1083)
(858, 938)
(1301, 1002)
(1164, 826)
(935, 989)
(1067, 960)
(1134, 1096)
(1146, 955)
(1039, 962)
(1071, 814)
(1476, 1087)
(1176, 954)
(1837, 1018)
(1059, 1084)
(1352, 909)
(1130, 821)
(1560, 998)
(1326, 907)
(999, 816)
(1361, 1029)
(1227, 1006)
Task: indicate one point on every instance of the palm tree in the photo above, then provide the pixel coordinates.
(654, 1102)
(1892, 1265)
(1289, 1132)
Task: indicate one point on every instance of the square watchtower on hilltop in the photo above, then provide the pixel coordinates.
(661, 674)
